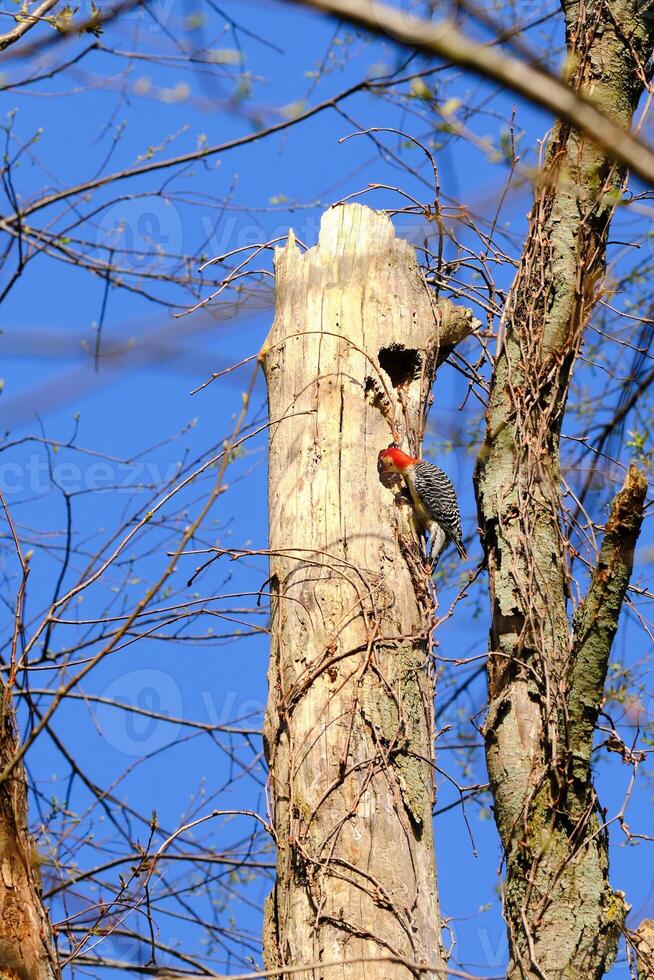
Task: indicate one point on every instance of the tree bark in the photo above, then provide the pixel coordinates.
(642, 940)
(545, 678)
(349, 364)
(26, 948)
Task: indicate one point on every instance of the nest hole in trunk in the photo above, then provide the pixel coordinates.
(401, 364)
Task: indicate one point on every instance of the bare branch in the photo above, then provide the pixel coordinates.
(442, 39)
(26, 24)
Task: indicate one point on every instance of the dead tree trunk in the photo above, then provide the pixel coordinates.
(349, 363)
(545, 675)
(26, 948)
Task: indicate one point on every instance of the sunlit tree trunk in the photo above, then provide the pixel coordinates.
(349, 364)
(546, 675)
(26, 948)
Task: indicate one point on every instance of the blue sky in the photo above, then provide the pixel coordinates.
(108, 112)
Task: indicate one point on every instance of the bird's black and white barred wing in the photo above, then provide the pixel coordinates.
(439, 498)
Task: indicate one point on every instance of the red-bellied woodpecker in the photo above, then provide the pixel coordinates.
(433, 496)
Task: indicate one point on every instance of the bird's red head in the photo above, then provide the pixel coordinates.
(393, 460)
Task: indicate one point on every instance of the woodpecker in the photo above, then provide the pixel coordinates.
(432, 493)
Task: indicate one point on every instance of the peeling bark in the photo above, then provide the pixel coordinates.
(26, 948)
(545, 684)
(348, 730)
(643, 942)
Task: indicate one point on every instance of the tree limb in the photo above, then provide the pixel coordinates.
(596, 620)
(28, 22)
